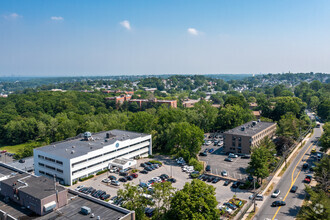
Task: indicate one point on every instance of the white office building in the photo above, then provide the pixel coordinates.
(89, 153)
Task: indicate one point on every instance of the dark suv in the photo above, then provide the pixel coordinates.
(208, 168)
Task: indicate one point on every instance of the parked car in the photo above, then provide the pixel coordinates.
(134, 175)
(226, 209)
(278, 203)
(105, 196)
(129, 178)
(148, 163)
(112, 177)
(144, 171)
(172, 180)
(164, 176)
(203, 154)
(294, 189)
(211, 150)
(123, 173)
(204, 178)
(215, 180)
(115, 183)
(259, 197)
(230, 205)
(157, 179)
(21, 161)
(226, 183)
(148, 168)
(208, 168)
(152, 181)
(231, 155)
(276, 193)
(210, 179)
(228, 159)
(235, 184)
(143, 165)
(224, 173)
(106, 180)
(305, 166)
(308, 179)
(245, 156)
(123, 179)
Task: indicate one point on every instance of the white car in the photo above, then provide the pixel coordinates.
(79, 187)
(276, 193)
(232, 155)
(157, 179)
(224, 173)
(106, 180)
(226, 209)
(208, 142)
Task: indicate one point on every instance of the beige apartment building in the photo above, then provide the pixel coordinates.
(243, 138)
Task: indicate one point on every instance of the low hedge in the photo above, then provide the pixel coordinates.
(156, 161)
(74, 182)
(100, 172)
(86, 178)
(134, 171)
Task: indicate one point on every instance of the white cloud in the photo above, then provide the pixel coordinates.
(11, 16)
(126, 24)
(193, 31)
(57, 18)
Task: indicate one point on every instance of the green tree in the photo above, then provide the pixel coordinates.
(232, 116)
(325, 138)
(207, 115)
(162, 194)
(322, 174)
(196, 201)
(142, 122)
(184, 136)
(133, 199)
(261, 158)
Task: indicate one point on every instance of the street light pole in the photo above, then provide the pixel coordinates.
(254, 199)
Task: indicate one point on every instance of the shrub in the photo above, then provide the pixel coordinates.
(134, 171)
(86, 178)
(74, 182)
(102, 171)
(151, 156)
(197, 165)
(156, 161)
(194, 175)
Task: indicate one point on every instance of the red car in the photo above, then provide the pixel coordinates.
(3, 151)
(134, 175)
(308, 179)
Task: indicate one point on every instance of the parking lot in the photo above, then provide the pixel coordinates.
(171, 168)
(216, 160)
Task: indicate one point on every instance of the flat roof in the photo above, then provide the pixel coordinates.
(27, 166)
(36, 186)
(77, 146)
(69, 212)
(250, 130)
(72, 210)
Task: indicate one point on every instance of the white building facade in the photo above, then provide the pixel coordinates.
(86, 155)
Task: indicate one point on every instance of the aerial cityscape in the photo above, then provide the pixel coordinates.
(163, 110)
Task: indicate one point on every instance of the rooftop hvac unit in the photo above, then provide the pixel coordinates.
(107, 135)
(254, 123)
(242, 128)
(72, 151)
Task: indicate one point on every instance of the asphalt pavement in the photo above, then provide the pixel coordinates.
(294, 175)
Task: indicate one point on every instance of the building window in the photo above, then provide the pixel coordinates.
(42, 157)
(59, 170)
(41, 164)
(59, 162)
(239, 139)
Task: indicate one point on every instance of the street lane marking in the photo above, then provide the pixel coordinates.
(293, 181)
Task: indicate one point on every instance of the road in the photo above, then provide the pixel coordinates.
(294, 175)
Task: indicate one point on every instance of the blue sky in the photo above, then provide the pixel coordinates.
(113, 37)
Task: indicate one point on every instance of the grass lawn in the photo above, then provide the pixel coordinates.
(14, 148)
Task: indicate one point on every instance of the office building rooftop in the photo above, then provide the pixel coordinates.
(87, 142)
(250, 129)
